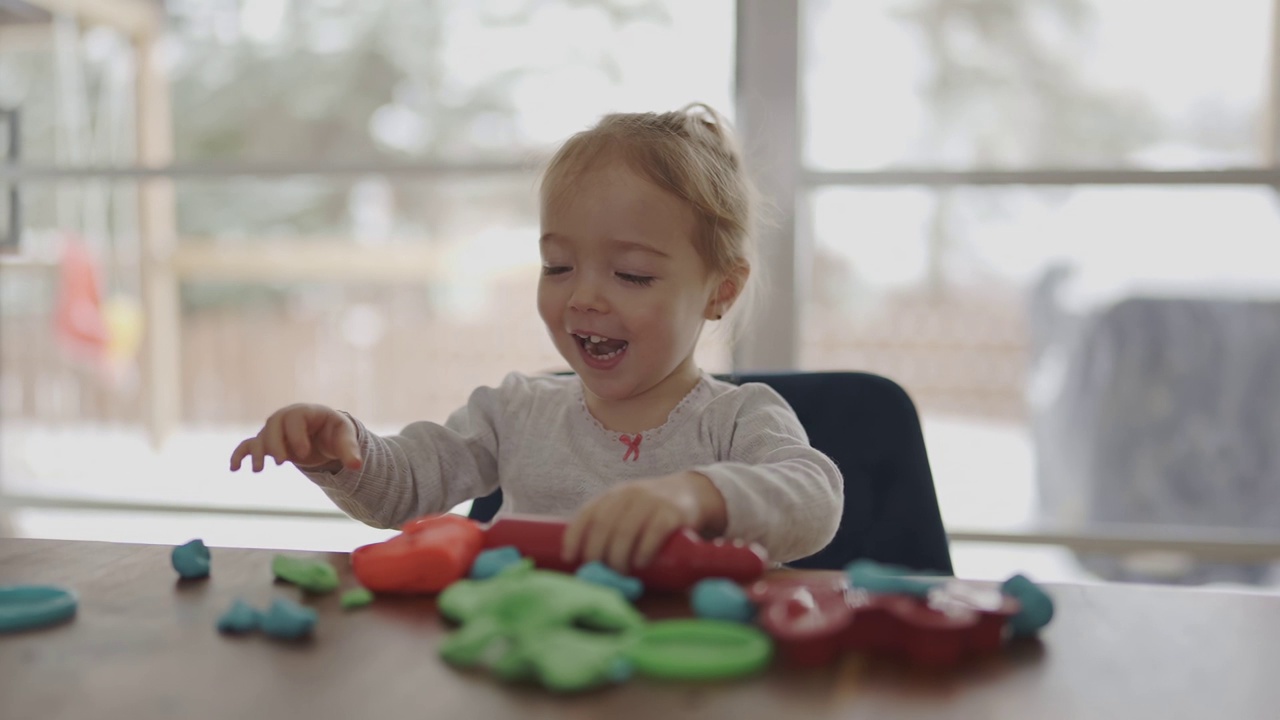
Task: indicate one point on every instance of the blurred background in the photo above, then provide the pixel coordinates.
(1055, 222)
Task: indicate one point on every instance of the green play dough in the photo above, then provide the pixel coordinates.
(356, 597)
(311, 575)
(550, 627)
(699, 649)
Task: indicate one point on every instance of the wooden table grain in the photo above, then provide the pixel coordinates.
(143, 646)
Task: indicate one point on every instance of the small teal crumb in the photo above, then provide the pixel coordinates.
(356, 597)
(721, 599)
(288, 620)
(1037, 606)
(191, 560)
(601, 574)
(240, 618)
(491, 562)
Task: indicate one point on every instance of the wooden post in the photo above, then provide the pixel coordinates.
(157, 227)
(1272, 98)
(768, 64)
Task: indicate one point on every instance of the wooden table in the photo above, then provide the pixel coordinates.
(144, 646)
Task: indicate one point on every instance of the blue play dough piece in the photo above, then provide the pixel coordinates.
(240, 618)
(491, 562)
(191, 560)
(288, 620)
(27, 607)
(600, 574)
(885, 579)
(1037, 606)
(721, 599)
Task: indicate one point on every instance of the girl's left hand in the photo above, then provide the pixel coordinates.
(626, 526)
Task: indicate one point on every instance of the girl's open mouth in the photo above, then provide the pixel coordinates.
(601, 352)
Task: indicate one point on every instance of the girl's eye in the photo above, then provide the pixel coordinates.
(642, 280)
(554, 269)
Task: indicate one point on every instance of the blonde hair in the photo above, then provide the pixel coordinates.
(690, 153)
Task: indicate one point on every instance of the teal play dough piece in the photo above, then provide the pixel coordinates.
(240, 618)
(491, 562)
(696, 649)
(288, 620)
(313, 576)
(355, 597)
(1036, 606)
(191, 560)
(26, 607)
(886, 579)
(600, 574)
(721, 599)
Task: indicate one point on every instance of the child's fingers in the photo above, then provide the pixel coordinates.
(273, 440)
(573, 534)
(622, 540)
(655, 535)
(295, 436)
(582, 526)
(342, 441)
(597, 533)
(258, 454)
(237, 456)
(350, 449)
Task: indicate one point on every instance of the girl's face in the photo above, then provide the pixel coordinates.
(623, 291)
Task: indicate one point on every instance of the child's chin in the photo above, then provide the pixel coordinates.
(606, 388)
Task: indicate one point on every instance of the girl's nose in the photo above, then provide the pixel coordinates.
(588, 296)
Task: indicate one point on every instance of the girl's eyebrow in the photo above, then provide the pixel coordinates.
(617, 244)
(633, 246)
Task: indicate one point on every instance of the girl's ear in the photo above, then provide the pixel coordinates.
(726, 292)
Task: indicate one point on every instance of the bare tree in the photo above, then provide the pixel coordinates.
(1006, 93)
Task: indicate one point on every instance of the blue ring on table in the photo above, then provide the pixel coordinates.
(27, 607)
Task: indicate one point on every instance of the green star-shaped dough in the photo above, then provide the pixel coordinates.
(532, 624)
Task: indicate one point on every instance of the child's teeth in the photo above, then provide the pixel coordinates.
(597, 339)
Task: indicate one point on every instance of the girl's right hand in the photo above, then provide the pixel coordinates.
(306, 435)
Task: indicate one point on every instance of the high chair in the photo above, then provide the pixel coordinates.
(869, 426)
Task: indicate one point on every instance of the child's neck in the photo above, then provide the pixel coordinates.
(649, 409)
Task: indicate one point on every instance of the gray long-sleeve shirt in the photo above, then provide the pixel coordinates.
(534, 437)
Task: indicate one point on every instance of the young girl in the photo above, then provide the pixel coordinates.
(645, 237)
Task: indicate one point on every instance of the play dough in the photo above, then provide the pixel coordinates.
(26, 607)
(191, 560)
(240, 618)
(288, 620)
(601, 574)
(310, 575)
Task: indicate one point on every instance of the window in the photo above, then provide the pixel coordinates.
(1053, 221)
(354, 221)
(1032, 85)
(1027, 213)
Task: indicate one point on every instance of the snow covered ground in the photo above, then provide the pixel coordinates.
(983, 473)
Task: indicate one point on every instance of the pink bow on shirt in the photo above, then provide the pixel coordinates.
(633, 446)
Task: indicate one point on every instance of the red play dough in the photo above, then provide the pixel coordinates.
(428, 555)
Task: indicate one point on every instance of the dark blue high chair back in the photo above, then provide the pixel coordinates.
(869, 426)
